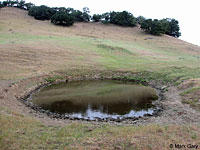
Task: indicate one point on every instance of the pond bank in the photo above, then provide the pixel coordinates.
(173, 111)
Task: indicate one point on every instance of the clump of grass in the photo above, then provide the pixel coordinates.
(149, 76)
(54, 78)
(191, 97)
(193, 103)
(189, 91)
(194, 136)
(136, 79)
(114, 49)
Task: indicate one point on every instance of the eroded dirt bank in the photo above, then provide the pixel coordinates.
(173, 110)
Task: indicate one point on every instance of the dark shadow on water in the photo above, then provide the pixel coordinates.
(102, 99)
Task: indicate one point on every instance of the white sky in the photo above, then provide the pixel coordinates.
(187, 12)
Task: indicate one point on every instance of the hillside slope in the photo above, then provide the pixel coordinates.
(35, 52)
(31, 47)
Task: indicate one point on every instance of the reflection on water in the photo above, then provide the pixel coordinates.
(102, 99)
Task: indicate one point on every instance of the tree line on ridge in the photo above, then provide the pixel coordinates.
(68, 16)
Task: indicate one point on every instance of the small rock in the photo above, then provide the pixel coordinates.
(164, 87)
(118, 120)
(89, 130)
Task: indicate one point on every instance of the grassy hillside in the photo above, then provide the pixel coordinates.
(30, 48)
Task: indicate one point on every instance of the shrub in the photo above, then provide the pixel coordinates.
(28, 6)
(1, 4)
(62, 18)
(41, 12)
(106, 17)
(5, 3)
(140, 19)
(96, 17)
(173, 28)
(78, 15)
(124, 18)
(21, 4)
(86, 16)
(165, 26)
(154, 27)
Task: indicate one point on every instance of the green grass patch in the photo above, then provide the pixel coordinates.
(189, 91)
(194, 103)
(17, 132)
(114, 49)
(54, 78)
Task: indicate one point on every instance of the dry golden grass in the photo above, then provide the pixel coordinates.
(20, 132)
(30, 47)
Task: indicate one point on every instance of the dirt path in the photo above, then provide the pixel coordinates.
(175, 111)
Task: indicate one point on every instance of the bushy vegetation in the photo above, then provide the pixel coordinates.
(16, 3)
(78, 16)
(28, 6)
(124, 18)
(41, 12)
(174, 28)
(140, 19)
(153, 26)
(60, 15)
(96, 17)
(165, 26)
(67, 16)
(86, 16)
(62, 18)
(1, 4)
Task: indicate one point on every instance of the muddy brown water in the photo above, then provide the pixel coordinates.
(97, 99)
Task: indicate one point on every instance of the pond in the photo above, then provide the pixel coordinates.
(97, 99)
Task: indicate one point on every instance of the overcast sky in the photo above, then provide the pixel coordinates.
(187, 12)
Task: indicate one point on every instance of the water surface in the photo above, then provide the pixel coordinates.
(97, 99)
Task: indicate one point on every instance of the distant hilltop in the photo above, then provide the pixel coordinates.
(67, 16)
